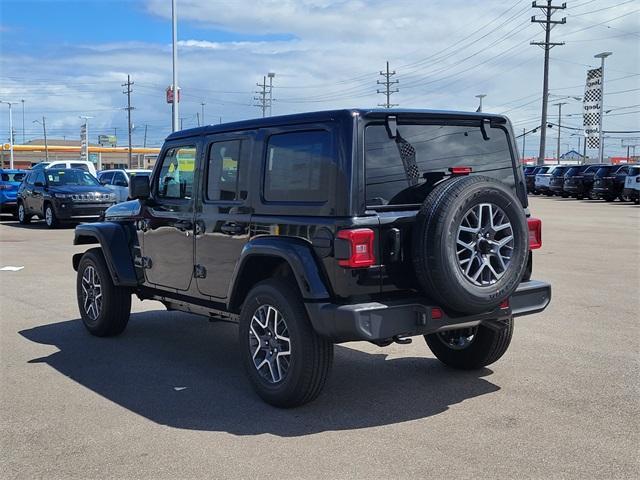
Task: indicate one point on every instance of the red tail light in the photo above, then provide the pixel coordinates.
(360, 247)
(460, 170)
(504, 304)
(436, 313)
(535, 233)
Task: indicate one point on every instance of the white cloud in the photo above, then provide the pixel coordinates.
(336, 50)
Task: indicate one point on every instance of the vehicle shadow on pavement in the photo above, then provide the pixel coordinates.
(177, 370)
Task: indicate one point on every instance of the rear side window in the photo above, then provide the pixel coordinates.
(227, 171)
(297, 167)
(106, 177)
(403, 170)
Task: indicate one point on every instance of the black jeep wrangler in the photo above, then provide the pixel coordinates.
(326, 227)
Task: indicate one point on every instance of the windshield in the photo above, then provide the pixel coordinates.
(542, 170)
(403, 170)
(572, 171)
(604, 171)
(529, 170)
(12, 176)
(57, 178)
(592, 169)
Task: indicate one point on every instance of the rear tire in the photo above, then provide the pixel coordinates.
(284, 373)
(104, 307)
(23, 217)
(487, 345)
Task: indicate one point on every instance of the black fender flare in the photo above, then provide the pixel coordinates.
(115, 239)
(298, 254)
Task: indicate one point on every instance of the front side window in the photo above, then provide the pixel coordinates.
(106, 177)
(39, 177)
(176, 173)
(227, 171)
(404, 169)
(120, 180)
(297, 167)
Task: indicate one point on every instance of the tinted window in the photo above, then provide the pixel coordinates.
(529, 170)
(120, 179)
(83, 166)
(633, 171)
(622, 170)
(604, 171)
(57, 178)
(39, 177)
(297, 166)
(176, 175)
(106, 177)
(592, 169)
(560, 171)
(12, 176)
(403, 170)
(226, 171)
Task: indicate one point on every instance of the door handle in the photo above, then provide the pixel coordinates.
(231, 228)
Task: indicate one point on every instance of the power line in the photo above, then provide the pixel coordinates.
(547, 24)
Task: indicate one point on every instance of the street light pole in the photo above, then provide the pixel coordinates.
(481, 96)
(271, 75)
(601, 56)
(559, 105)
(44, 130)
(174, 104)
(10, 133)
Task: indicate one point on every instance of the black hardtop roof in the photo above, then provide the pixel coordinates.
(320, 116)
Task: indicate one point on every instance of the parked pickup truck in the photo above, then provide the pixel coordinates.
(320, 228)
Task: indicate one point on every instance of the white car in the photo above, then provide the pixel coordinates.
(60, 164)
(543, 178)
(632, 184)
(118, 181)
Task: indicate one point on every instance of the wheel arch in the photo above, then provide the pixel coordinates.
(280, 257)
(116, 243)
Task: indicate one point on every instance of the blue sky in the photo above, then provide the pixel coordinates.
(69, 58)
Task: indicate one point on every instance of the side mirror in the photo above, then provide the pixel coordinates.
(38, 184)
(139, 187)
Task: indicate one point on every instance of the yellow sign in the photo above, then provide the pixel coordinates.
(6, 146)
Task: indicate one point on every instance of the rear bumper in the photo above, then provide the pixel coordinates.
(409, 317)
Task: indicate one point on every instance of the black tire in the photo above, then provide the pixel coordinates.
(487, 346)
(579, 197)
(111, 316)
(435, 250)
(49, 215)
(311, 356)
(23, 217)
(609, 198)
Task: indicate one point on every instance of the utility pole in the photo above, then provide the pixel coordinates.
(387, 82)
(10, 133)
(44, 129)
(176, 94)
(601, 56)
(559, 105)
(144, 144)
(547, 25)
(202, 117)
(262, 96)
(524, 138)
(127, 92)
(23, 138)
(198, 118)
(271, 75)
(481, 96)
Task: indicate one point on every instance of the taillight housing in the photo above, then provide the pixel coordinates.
(460, 170)
(535, 233)
(360, 241)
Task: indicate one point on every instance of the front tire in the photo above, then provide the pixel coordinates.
(50, 217)
(104, 307)
(286, 360)
(23, 217)
(471, 348)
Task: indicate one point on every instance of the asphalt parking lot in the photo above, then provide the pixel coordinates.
(169, 399)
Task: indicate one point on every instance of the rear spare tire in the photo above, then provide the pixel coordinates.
(470, 244)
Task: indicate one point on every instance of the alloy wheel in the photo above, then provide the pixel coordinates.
(48, 216)
(91, 293)
(485, 244)
(21, 212)
(269, 344)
